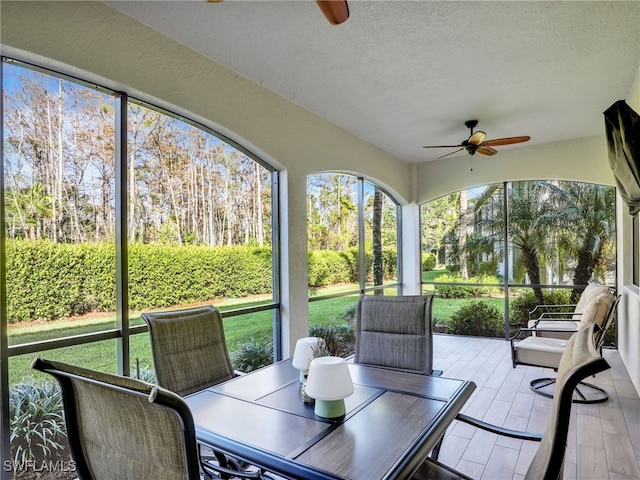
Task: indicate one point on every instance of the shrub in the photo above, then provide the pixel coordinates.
(328, 267)
(428, 262)
(487, 268)
(50, 281)
(252, 355)
(319, 274)
(338, 337)
(37, 424)
(144, 374)
(476, 318)
(452, 291)
(520, 307)
(464, 291)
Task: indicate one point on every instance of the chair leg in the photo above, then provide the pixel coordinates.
(598, 395)
(435, 453)
(219, 466)
(538, 384)
(585, 392)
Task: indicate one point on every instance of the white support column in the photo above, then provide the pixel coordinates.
(293, 260)
(411, 268)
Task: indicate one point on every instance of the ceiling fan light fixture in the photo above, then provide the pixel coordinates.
(477, 138)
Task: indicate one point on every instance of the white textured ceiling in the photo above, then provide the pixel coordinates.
(401, 74)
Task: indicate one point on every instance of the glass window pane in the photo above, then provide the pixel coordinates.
(381, 232)
(199, 218)
(332, 219)
(334, 320)
(60, 208)
(39, 447)
(462, 236)
(559, 234)
(562, 233)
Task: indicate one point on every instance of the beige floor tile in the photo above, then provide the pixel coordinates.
(603, 441)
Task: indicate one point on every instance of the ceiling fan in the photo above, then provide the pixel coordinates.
(477, 143)
(336, 11)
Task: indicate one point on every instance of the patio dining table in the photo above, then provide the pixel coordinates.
(393, 420)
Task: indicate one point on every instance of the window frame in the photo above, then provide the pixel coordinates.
(122, 331)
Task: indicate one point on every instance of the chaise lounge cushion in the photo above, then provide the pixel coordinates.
(596, 310)
(589, 293)
(540, 351)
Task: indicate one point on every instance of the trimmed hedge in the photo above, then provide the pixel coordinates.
(463, 291)
(328, 267)
(47, 281)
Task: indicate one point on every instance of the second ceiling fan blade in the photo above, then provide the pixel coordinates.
(336, 11)
(451, 153)
(506, 141)
(442, 146)
(484, 150)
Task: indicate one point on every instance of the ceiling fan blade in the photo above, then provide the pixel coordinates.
(477, 138)
(451, 153)
(506, 141)
(484, 150)
(442, 146)
(336, 11)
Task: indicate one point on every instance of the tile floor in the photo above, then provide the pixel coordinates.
(604, 439)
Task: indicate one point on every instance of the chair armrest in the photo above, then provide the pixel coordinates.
(534, 330)
(546, 315)
(238, 373)
(549, 307)
(556, 319)
(505, 432)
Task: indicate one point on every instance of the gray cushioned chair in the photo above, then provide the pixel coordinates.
(580, 359)
(122, 428)
(189, 349)
(395, 333)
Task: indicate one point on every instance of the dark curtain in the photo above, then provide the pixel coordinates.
(622, 126)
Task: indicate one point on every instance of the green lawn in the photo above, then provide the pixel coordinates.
(238, 330)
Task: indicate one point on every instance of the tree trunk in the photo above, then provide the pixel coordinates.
(532, 266)
(583, 272)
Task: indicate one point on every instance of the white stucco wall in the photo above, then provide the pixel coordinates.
(629, 311)
(583, 159)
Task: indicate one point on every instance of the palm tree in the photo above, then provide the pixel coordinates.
(534, 219)
(29, 209)
(593, 228)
